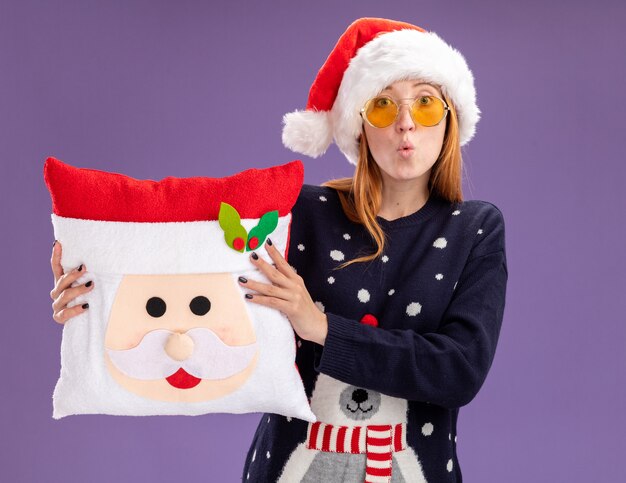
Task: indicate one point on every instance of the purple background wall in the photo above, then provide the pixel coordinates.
(191, 88)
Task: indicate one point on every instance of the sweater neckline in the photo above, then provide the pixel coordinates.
(432, 206)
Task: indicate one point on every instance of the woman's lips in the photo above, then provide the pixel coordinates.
(181, 379)
(406, 149)
(406, 152)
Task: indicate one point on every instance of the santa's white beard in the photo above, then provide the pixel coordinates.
(211, 357)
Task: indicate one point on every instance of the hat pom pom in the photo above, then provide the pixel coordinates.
(307, 132)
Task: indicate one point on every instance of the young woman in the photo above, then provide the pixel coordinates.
(400, 286)
(394, 285)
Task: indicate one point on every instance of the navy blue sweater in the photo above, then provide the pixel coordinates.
(438, 294)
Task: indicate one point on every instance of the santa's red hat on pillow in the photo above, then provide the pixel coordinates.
(176, 225)
(370, 55)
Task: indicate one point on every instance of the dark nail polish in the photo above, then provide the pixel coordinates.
(248, 296)
(243, 280)
(269, 242)
(255, 256)
(80, 269)
(88, 284)
(55, 242)
(85, 306)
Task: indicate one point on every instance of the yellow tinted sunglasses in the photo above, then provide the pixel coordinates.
(382, 111)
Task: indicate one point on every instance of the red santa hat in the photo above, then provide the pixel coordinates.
(117, 224)
(370, 55)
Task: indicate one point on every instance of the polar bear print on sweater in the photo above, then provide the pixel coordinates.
(360, 436)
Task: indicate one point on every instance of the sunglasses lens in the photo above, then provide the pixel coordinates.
(381, 111)
(428, 110)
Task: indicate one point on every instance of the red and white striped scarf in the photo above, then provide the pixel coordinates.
(378, 442)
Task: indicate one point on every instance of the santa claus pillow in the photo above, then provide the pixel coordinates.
(168, 330)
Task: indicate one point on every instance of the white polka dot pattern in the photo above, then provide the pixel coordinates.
(363, 295)
(337, 255)
(427, 429)
(413, 309)
(440, 243)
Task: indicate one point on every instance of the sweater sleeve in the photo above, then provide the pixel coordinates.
(446, 367)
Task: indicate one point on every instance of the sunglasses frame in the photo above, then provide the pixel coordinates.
(398, 104)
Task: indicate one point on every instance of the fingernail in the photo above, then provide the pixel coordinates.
(54, 244)
(85, 306)
(248, 296)
(88, 284)
(80, 269)
(255, 256)
(269, 242)
(243, 280)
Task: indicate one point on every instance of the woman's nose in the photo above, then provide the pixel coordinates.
(179, 346)
(405, 122)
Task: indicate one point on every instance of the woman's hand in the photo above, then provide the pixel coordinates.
(63, 292)
(288, 294)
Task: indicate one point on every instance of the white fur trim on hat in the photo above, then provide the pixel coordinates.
(157, 248)
(402, 55)
(307, 132)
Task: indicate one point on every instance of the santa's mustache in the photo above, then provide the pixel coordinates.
(211, 357)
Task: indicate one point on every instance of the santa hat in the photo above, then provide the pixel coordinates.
(121, 225)
(370, 55)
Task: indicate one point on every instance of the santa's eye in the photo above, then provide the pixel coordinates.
(200, 305)
(155, 306)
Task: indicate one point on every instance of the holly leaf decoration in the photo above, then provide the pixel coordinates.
(235, 234)
(267, 224)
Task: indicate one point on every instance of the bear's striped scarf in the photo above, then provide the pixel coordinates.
(378, 442)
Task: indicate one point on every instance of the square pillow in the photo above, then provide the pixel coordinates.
(168, 330)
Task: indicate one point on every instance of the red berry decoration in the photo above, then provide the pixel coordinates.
(238, 244)
(253, 243)
(369, 319)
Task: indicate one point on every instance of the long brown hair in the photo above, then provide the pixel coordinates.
(361, 195)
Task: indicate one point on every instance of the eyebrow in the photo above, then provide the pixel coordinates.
(414, 85)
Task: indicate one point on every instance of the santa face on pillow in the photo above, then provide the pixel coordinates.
(180, 337)
(168, 330)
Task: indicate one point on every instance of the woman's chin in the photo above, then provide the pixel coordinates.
(405, 175)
